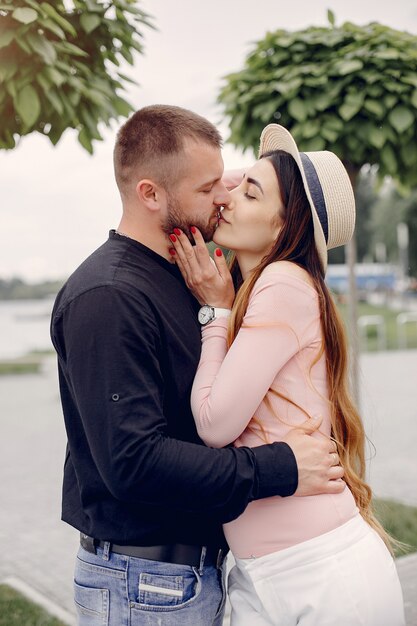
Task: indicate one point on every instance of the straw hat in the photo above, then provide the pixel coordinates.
(327, 186)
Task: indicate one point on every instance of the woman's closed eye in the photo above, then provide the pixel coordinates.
(249, 197)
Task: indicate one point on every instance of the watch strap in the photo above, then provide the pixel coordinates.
(218, 312)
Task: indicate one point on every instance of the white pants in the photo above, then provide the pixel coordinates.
(345, 577)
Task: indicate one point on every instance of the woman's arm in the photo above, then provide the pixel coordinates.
(230, 385)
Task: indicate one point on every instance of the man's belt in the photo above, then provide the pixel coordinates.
(179, 553)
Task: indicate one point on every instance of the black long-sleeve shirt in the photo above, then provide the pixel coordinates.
(128, 342)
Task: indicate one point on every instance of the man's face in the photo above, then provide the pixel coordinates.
(198, 194)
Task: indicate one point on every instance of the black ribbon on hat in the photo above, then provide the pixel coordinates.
(316, 193)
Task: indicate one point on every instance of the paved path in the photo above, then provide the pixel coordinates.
(38, 548)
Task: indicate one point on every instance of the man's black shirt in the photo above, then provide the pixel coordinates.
(128, 342)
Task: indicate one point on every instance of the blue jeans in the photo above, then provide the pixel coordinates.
(116, 590)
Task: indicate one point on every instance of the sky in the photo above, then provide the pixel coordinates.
(58, 204)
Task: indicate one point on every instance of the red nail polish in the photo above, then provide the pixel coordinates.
(218, 252)
(172, 251)
(177, 231)
(193, 229)
(173, 238)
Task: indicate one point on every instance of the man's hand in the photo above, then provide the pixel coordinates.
(317, 461)
(210, 281)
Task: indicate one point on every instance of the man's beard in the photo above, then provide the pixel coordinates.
(176, 219)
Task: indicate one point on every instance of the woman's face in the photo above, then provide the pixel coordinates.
(251, 222)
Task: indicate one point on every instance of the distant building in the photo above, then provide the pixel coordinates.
(369, 277)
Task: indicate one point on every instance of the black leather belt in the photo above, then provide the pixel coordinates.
(179, 553)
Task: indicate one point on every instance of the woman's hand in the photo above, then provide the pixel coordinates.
(233, 178)
(210, 281)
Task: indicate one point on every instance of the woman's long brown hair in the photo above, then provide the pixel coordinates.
(295, 243)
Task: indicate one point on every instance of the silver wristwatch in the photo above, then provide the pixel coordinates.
(209, 313)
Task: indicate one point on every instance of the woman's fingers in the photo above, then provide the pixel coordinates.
(221, 265)
(187, 255)
(210, 281)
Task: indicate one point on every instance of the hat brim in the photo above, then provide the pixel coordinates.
(276, 137)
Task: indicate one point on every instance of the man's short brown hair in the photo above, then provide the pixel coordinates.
(150, 143)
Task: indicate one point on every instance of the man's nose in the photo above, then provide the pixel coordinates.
(222, 197)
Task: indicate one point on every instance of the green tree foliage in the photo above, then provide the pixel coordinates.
(351, 89)
(59, 65)
(366, 195)
(389, 209)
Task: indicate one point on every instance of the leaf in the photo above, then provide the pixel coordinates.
(43, 81)
(410, 79)
(34, 5)
(388, 158)
(401, 118)
(93, 6)
(413, 98)
(74, 97)
(56, 77)
(347, 67)
(54, 28)
(11, 89)
(409, 155)
(376, 137)
(85, 141)
(122, 107)
(331, 17)
(6, 37)
(126, 79)
(351, 106)
(375, 107)
(25, 15)
(89, 21)
(390, 100)
(43, 47)
(7, 69)
(67, 26)
(91, 124)
(55, 101)
(264, 111)
(329, 134)
(297, 110)
(55, 134)
(311, 145)
(22, 43)
(125, 52)
(28, 105)
(387, 54)
(96, 97)
(69, 47)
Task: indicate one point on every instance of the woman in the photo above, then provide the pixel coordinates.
(278, 356)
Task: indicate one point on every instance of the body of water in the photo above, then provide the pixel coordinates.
(24, 326)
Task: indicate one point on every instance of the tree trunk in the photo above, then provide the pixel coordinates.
(350, 250)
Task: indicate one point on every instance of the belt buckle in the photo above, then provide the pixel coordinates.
(88, 543)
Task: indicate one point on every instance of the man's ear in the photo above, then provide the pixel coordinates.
(150, 194)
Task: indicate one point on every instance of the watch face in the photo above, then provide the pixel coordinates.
(205, 314)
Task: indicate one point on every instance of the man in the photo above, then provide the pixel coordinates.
(146, 495)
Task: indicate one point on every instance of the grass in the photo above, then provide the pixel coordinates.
(400, 521)
(19, 367)
(390, 319)
(17, 610)
(29, 364)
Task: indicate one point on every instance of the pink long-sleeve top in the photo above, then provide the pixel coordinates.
(235, 398)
